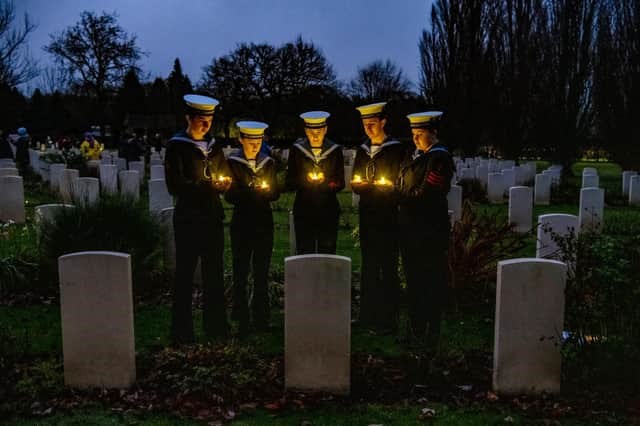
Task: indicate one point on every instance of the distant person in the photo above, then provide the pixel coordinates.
(22, 150)
(90, 147)
(131, 149)
(156, 142)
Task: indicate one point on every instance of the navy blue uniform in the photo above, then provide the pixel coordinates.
(251, 234)
(199, 233)
(316, 209)
(424, 182)
(378, 210)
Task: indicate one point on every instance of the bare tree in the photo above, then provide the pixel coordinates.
(379, 80)
(16, 66)
(96, 52)
(53, 79)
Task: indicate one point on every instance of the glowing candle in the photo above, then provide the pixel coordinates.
(264, 185)
(357, 179)
(383, 182)
(316, 176)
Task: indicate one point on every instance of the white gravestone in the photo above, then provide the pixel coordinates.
(87, 191)
(166, 219)
(521, 208)
(12, 199)
(9, 172)
(542, 188)
(495, 188)
(634, 191)
(157, 172)
(159, 197)
(509, 178)
(130, 184)
(317, 319)
(482, 174)
(348, 172)
(550, 225)
(55, 174)
(589, 171)
(68, 182)
(467, 173)
(454, 201)
(109, 178)
(121, 163)
(519, 175)
(96, 305)
(591, 208)
(590, 181)
(48, 212)
(137, 166)
(529, 321)
(626, 177)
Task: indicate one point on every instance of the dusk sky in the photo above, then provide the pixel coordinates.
(351, 33)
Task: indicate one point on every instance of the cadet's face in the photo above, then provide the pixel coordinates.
(316, 136)
(374, 127)
(423, 138)
(251, 147)
(199, 125)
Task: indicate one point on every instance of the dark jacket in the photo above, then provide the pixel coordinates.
(189, 172)
(131, 149)
(315, 200)
(252, 206)
(423, 184)
(378, 207)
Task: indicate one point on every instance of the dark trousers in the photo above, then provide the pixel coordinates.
(379, 288)
(424, 260)
(316, 234)
(251, 247)
(205, 240)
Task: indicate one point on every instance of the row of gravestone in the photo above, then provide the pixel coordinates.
(12, 202)
(98, 316)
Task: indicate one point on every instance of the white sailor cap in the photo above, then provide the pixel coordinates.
(372, 110)
(315, 119)
(424, 119)
(252, 129)
(199, 105)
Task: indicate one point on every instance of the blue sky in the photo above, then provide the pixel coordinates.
(351, 33)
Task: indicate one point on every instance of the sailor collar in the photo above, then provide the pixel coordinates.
(327, 148)
(261, 159)
(184, 137)
(367, 146)
(417, 154)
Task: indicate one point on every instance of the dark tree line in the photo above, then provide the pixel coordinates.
(545, 76)
(548, 78)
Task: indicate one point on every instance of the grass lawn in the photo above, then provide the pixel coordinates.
(37, 328)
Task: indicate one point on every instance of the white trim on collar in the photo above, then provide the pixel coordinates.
(312, 157)
(366, 148)
(259, 165)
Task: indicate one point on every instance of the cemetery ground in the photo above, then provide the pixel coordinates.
(242, 381)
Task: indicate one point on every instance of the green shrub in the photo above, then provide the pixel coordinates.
(477, 242)
(114, 224)
(18, 258)
(602, 299)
